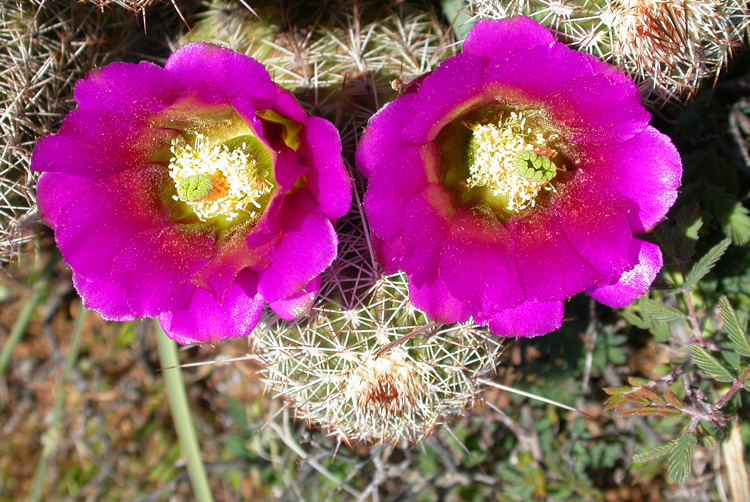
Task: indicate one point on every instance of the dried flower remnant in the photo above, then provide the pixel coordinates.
(368, 366)
(195, 193)
(668, 47)
(514, 177)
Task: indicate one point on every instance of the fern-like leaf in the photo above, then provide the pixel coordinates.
(734, 328)
(705, 264)
(680, 458)
(710, 365)
(653, 453)
(661, 312)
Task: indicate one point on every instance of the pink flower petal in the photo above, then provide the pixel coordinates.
(543, 253)
(93, 226)
(387, 253)
(128, 90)
(491, 39)
(204, 320)
(528, 320)
(199, 62)
(54, 191)
(635, 282)
(427, 223)
(597, 109)
(645, 169)
(478, 264)
(231, 256)
(105, 297)
(299, 304)
(384, 134)
(434, 299)
(307, 247)
(287, 106)
(328, 180)
(387, 195)
(94, 143)
(450, 91)
(155, 267)
(524, 75)
(595, 222)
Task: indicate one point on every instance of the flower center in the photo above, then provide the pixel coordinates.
(511, 160)
(224, 180)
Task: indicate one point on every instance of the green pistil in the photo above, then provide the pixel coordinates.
(194, 188)
(534, 167)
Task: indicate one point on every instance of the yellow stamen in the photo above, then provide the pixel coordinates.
(237, 181)
(494, 150)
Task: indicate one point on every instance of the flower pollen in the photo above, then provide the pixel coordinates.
(511, 160)
(216, 181)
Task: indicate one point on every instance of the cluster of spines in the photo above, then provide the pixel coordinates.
(668, 47)
(366, 365)
(340, 60)
(46, 48)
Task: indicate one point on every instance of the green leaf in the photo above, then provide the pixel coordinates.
(710, 365)
(634, 319)
(705, 264)
(660, 330)
(680, 458)
(659, 311)
(733, 328)
(737, 224)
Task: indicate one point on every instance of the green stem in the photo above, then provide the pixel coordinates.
(19, 328)
(183, 420)
(51, 439)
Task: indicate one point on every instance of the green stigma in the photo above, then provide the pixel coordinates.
(534, 167)
(194, 188)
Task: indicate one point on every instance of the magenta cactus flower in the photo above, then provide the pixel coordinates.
(515, 176)
(195, 193)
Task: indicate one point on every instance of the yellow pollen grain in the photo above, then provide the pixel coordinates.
(237, 183)
(493, 167)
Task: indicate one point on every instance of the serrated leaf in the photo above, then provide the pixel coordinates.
(644, 412)
(653, 453)
(615, 402)
(662, 312)
(633, 412)
(616, 391)
(733, 328)
(636, 398)
(638, 381)
(634, 319)
(680, 458)
(693, 229)
(653, 396)
(674, 400)
(669, 412)
(705, 264)
(710, 365)
(660, 330)
(737, 225)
